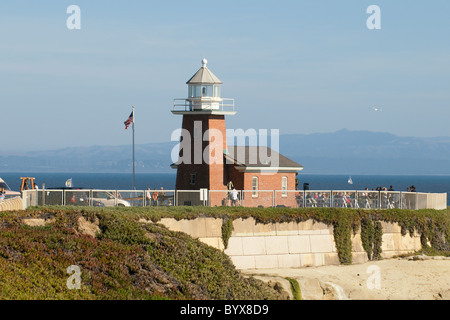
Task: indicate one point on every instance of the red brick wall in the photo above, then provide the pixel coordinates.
(269, 182)
(185, 170)
(216, 167)
(210, 176)
(235, 176)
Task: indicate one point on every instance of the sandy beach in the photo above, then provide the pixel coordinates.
(414, 278)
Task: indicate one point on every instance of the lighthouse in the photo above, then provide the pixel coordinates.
(205, 161)
(203, 142)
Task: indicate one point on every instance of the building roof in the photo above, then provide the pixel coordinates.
(204, 76)
(256, 158)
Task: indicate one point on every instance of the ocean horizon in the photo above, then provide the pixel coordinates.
(124, 181)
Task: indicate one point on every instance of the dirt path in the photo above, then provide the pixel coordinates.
(423, 278)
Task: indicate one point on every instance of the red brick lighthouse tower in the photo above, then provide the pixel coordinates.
(203, 138)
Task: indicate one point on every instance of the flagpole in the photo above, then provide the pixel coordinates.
(134, 186)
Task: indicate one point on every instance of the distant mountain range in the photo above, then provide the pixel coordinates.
(341, 152)
(363, 152)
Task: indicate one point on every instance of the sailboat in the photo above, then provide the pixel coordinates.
(350, 181)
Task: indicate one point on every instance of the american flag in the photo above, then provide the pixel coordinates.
(129, 120)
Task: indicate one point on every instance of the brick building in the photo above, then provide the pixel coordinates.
(207, 162)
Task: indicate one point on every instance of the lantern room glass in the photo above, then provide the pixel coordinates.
(199, 91)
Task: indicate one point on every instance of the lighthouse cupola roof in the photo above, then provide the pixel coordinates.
(204, 76)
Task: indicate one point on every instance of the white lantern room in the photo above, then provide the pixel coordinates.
(204, 95)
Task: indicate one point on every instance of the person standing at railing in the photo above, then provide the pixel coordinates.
(155, 197)
(299, 198)
(365, 196)
(162, 196)
(384, 198)
(148, 197)
(230, 187)
(392, 198)
(234, 197)
(2, 194)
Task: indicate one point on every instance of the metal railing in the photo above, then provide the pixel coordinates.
(205, 103)
(356, 199)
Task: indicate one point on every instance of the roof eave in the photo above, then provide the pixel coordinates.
(268, 169)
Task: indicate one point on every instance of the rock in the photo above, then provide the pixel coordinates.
(142, 220)
(278, 283)
(314, 289)
(443, 295)
(311, 289)
(37, 222)
(87, 227)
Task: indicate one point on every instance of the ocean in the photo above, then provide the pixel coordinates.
(124, 181)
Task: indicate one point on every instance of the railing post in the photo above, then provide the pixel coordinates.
(240, 198)
(332, 199)
(304, 199)
(208, 200)
(379, 199)
(24, 199)
(401, 200)
(274, 200)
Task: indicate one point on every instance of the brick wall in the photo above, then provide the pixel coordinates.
(269, 182)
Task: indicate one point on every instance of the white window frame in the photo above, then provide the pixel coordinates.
(255, 190)
(216, 91)
(284, 186)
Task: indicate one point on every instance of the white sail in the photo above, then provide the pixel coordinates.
(350, 181)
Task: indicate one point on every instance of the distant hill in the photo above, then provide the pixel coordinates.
(341, 152)
(151, 157)
(363, 152)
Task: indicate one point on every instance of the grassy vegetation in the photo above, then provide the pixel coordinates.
(133, 260)
(128, 260)
(295, 288)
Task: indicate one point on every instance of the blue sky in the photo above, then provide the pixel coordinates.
(298, 66)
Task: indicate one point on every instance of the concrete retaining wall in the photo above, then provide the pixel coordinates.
(287, 245)
(11, 204)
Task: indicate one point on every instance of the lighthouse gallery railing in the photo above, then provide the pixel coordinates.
(223, 105)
